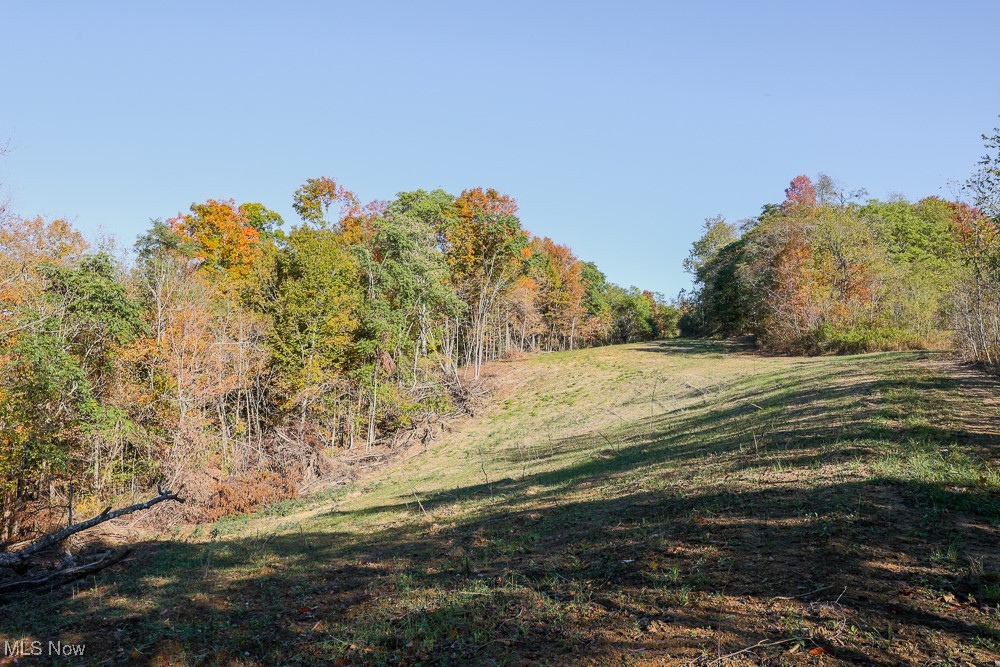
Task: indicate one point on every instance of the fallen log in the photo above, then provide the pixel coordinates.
(63, 575)
(18, 560)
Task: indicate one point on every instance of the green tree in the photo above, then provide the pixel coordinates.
(716, 235)
(631, 315)
(315, 315)
(314, 199)
(63, 374)
(715, 262)
(407, 290)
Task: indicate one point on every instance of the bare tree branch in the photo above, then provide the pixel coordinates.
(17, 558)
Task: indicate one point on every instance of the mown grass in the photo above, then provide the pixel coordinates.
(661, 503)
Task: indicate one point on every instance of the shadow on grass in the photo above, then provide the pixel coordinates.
(648, 542)
(817, 413)
(699, 346)
(518, 584)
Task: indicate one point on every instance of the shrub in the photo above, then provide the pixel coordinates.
(828, 339)
(245, 494)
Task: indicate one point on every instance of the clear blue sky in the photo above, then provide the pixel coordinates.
(618, 126)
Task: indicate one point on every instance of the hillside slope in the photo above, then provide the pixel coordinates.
(658, 503)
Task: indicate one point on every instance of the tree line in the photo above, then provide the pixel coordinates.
(828, 271)
(236, 356)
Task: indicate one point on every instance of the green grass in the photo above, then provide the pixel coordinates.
(660, 502)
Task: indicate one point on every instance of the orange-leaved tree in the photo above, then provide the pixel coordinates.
(485, 248)
(218, 234)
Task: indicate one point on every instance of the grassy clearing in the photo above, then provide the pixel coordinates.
(664, 503)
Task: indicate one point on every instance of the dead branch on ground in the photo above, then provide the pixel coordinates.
(69, 569)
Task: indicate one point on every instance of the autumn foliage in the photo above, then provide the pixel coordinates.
(824, 272)
(241, 358)
(218, 234)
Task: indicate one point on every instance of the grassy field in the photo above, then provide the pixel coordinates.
(674, 502)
